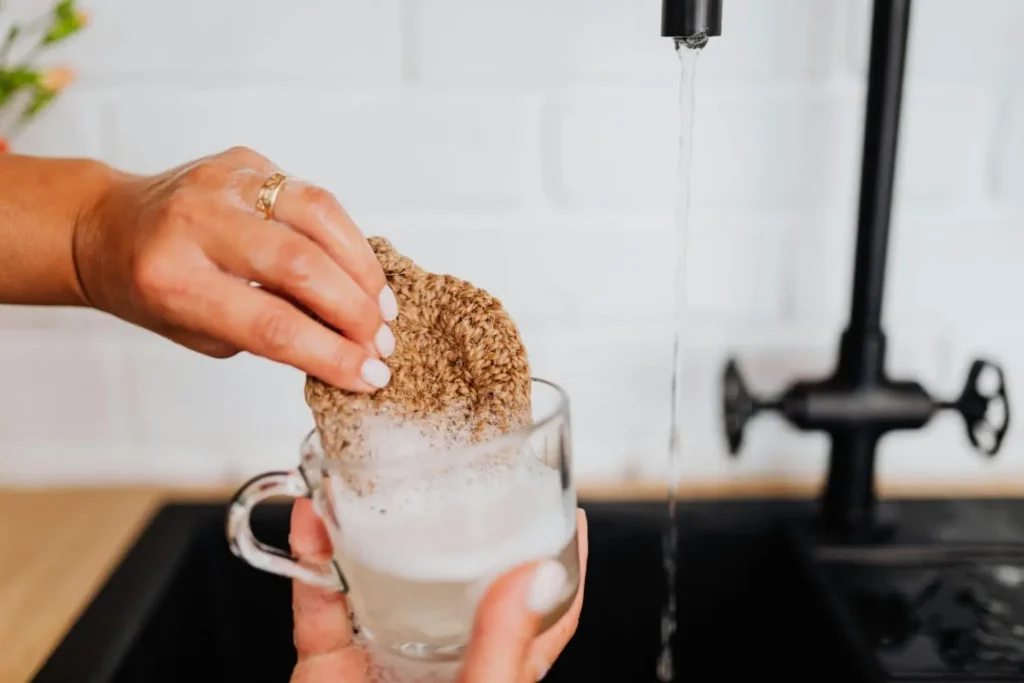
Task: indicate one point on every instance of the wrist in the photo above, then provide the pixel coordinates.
(42, 203)
(101, 187)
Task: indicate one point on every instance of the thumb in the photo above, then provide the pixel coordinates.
(508, 619)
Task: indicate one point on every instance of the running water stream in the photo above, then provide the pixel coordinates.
(688, 50)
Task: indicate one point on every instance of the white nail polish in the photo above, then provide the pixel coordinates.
(388, 304)
(547, 587)
(376, 373)
(384, 340)
(542, 671)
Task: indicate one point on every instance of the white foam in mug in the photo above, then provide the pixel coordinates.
(419, 550)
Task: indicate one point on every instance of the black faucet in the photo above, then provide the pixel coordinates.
(687, 18)
(859, 403)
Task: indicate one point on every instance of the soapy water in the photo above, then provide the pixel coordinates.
(455, 525)
(420, 544)
(385, 666)
(687, 49)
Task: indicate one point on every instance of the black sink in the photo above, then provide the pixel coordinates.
(757, 597)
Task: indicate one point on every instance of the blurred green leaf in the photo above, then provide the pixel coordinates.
(61, 22)
(12, 35)
(65, 10)
(18, 77)
(13, 80)
(41, 97)
(66, 21)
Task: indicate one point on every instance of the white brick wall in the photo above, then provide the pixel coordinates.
(530, 147)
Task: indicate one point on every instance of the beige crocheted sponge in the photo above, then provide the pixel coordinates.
(459, 363)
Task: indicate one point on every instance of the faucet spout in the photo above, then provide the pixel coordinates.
(687, 18)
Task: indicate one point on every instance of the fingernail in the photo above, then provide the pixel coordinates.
(384, 340)
(542, 671)
(388, 304)
(546, 589)
(376, 373)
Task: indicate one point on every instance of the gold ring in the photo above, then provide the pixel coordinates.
(268, 195)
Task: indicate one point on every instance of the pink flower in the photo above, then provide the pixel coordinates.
(56, 79)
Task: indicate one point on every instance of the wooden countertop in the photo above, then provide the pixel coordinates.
(57, 547)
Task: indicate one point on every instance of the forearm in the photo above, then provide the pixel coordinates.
(41, 201)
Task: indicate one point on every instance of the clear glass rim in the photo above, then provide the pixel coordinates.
(318, 460)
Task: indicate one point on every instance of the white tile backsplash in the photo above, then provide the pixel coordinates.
(530, 147)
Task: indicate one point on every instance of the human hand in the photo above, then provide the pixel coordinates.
(504, 648)
(176, 253)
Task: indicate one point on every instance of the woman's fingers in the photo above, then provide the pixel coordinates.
(323, 630)
(317, 214)
(549, 645)
(507, 621)
(285, 261)
(218, 305)
(322, 623)
(200, 343)
(350, 665)
(307, 536)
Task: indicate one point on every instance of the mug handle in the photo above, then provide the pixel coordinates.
(244, 544)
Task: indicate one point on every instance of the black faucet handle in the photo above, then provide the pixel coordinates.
(738, 405)
(985, 407)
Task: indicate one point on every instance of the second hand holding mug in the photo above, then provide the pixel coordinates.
(418, 537)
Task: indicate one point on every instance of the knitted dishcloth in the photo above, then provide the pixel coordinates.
(459, 364)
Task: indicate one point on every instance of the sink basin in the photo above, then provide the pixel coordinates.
(757, 597)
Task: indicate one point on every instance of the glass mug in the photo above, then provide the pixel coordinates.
(418, 535)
